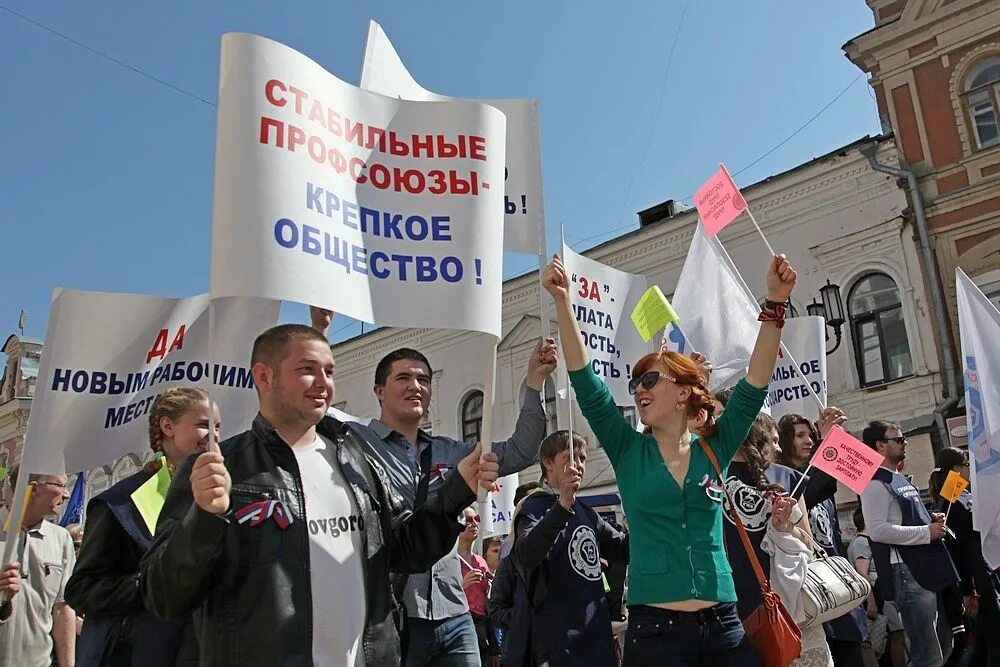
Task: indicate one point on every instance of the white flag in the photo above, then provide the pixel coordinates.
(603, 299)
(524, 213)
(979, 326)
(718, 316)
(96, 384)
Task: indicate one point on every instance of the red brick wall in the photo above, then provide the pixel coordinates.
(938, 115)
(906, 124)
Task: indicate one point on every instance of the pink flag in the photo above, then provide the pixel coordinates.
(719, 201)
(847, 459)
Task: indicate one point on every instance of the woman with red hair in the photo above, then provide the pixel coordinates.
(682, 607)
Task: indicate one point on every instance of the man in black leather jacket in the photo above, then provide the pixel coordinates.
(241, 542)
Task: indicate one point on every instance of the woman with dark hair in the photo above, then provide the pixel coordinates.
(759, 490)
(561, 616)
(681, 598)
(798, 438)
(977, 582)
(119, 631)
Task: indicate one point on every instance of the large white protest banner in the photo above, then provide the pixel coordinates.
(108, 356)
(602, 300)
(718, 316)
(804, 341)
(979, 327)
(524, 214)
(381, 209)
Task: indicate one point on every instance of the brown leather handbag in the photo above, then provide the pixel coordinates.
(772, 631)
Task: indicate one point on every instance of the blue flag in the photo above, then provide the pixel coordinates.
(74, 508)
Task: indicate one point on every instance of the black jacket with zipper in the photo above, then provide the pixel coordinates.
(250, 587)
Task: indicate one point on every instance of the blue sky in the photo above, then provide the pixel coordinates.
(107, 174)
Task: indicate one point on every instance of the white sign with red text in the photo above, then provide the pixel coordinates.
(381, 209)
(603, 299)
(524, 213)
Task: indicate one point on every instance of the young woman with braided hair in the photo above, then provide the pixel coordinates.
(682, 603)
(759, 490)
(118, 629)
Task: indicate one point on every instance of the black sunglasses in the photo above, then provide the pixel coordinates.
(901, 440)
(648, 380)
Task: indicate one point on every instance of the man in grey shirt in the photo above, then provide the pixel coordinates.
(441, 628)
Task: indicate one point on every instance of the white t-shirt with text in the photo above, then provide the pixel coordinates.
(336, 550)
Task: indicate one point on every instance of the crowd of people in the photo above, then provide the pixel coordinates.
(309, 540)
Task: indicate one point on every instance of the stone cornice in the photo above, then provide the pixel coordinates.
(892, 38)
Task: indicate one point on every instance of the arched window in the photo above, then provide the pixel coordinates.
(881, 347)
(982, 102)
(472, 417)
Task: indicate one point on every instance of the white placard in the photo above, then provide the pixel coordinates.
(603, 299)
(108, 356)
(804, 340)
(524, 213)
(384, 210)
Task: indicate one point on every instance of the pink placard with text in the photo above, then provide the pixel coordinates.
(719, 201)
(847, 459)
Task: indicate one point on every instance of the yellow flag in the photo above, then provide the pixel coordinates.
(149, 497)
(24, 510)
(953, 487)
(652, 313)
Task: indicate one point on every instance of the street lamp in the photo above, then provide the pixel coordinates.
(831, 310)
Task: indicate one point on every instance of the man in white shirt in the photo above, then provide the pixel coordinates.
(35, 616)
(912, 562)
(282, 543)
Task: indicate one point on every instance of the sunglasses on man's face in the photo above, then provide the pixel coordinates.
(901, 440)
(648, 380)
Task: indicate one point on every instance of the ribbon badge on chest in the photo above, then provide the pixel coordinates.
(713, 489)
(439, 472)
(255, 514)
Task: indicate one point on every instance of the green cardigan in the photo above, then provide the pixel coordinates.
(675, 534)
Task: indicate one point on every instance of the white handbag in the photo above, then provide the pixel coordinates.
(831, 589)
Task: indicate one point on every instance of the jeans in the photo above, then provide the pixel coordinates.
(451, 642)
(919, 609)
(712, 637)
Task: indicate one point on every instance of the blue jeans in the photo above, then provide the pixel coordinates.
(919, 609)
(712, 637)
(449, 643)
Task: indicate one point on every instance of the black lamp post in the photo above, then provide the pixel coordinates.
(831, 310)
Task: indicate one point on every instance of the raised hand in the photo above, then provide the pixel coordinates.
(211, 483)
(568, 486)
(781, 279)
(830, 417)
(321, 318)
(543, 361)
(555, 281)
(480, 471)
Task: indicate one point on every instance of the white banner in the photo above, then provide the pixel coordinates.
(499, 521)
(717, 315)
(524, 214)
(979, 327)
(108, 356)
(603, 299)
(383, 210)
(804, 340)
